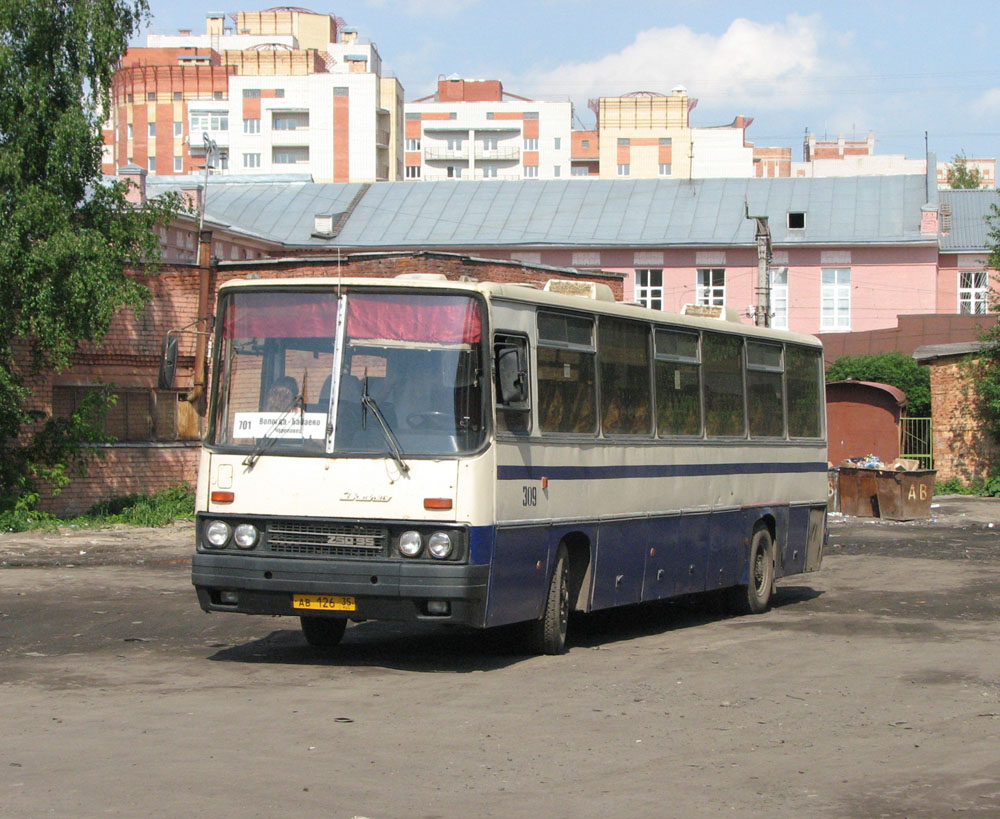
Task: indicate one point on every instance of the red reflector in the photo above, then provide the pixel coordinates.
(223, 497)
(437, 503)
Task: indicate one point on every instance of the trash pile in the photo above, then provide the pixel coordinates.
(874, 462)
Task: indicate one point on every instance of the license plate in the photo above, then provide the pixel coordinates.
(323, 602)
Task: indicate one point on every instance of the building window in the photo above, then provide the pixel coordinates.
(290, 121)
(585, 143)
(489, 143)
(624, 141)
(557, 143)
(151, 129)
(454, 172)
(649, 287)
(530, 171)
(531, 144)
(178, 129)
(217, 95)
(279, 93)
(413, 144)
(412, 171)
(136, 415)
(178, 164)
(666, 142)
(531, 115)
(251, 93)
(251, 126)
(973, 291)
(796, 220)
(580, 170)
(779, 297)
(251, 160)
(489, 115)
(151, 96)
(623, 169)
(291, 155)
(711, 287)
(223, 160)
(455, 143)
(665, 169)
(490, 172)
(128, 131)
(178, 96)
(835, 298)
(410, 115)
(152, 164)
(209, 121)
(130, 97)
(557, 171)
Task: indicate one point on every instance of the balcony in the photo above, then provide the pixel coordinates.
(431, 154)
(498, 154)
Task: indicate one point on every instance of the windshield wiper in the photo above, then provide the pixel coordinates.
(268, 439)
(368, 403)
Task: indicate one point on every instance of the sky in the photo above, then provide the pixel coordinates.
(900, 70)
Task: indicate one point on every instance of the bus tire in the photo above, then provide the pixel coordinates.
(323, 632)
(548, 634)
(755, 596)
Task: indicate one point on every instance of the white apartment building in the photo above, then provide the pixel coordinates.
(472, 129)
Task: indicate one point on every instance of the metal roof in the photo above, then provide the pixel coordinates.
(575, 212)
(969, 230)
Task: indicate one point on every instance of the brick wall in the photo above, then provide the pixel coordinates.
(961, 448)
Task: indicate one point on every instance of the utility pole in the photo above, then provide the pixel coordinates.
(762, 312)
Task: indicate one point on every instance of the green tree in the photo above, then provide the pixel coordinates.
(67, 235)
(960, 175)
(985, 370)
(895, 369)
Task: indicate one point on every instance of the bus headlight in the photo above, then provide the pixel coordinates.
(217, 534)
(410, 544)
(439, 545)
(246, 535)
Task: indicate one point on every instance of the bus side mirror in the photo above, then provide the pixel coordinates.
(512, 377)
(168, 362)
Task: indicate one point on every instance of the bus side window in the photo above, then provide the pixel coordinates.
(512, 384)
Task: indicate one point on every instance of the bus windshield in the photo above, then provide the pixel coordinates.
(292, 381)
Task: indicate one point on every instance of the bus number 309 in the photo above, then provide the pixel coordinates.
(530, 496)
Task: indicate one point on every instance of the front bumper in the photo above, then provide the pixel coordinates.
(383, 590)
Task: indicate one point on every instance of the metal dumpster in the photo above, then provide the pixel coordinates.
(886, 493)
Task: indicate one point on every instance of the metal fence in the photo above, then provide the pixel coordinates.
(917, 441)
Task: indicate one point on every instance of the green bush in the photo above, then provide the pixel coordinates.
(896, 369)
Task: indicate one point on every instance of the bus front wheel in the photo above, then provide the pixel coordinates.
(755, 596)
(323, 632)
(548, 635)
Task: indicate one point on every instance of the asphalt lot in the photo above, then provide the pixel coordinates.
(872, 688)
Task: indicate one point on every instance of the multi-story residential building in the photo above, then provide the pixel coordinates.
(473, 129)
(648, 135)
(286, 92)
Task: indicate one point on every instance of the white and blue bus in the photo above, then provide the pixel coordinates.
(485, 454)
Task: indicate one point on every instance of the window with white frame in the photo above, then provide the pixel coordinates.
(413, 172)
(490, 143)
(711, 288)
(557, 143)
(624, 169)
(151, 129)
(557, 170)
(209, 121)
(290, 155)
(649, 287)
(413, 144)
(251, 160)
(779, 297)
(665, 169)
(454, 171)
(835, 298)
(455, 143)
(290, 120)
(251, 126)
(152, 164)
(178, 129)
(531, 143)
(579, 170)
(128, 130)
(973, 291)
(178, 164)
(531, 172)
(489, 172)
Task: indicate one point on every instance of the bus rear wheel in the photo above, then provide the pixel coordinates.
(755, 596)
(323, 632)
(548, 635)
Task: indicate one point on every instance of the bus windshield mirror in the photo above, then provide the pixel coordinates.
(369, 403)
(511, 376)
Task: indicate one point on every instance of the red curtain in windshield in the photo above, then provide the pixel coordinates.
(410, 317)
(281, 315)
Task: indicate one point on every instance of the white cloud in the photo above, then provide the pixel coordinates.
(988, 103)
(750, 67)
